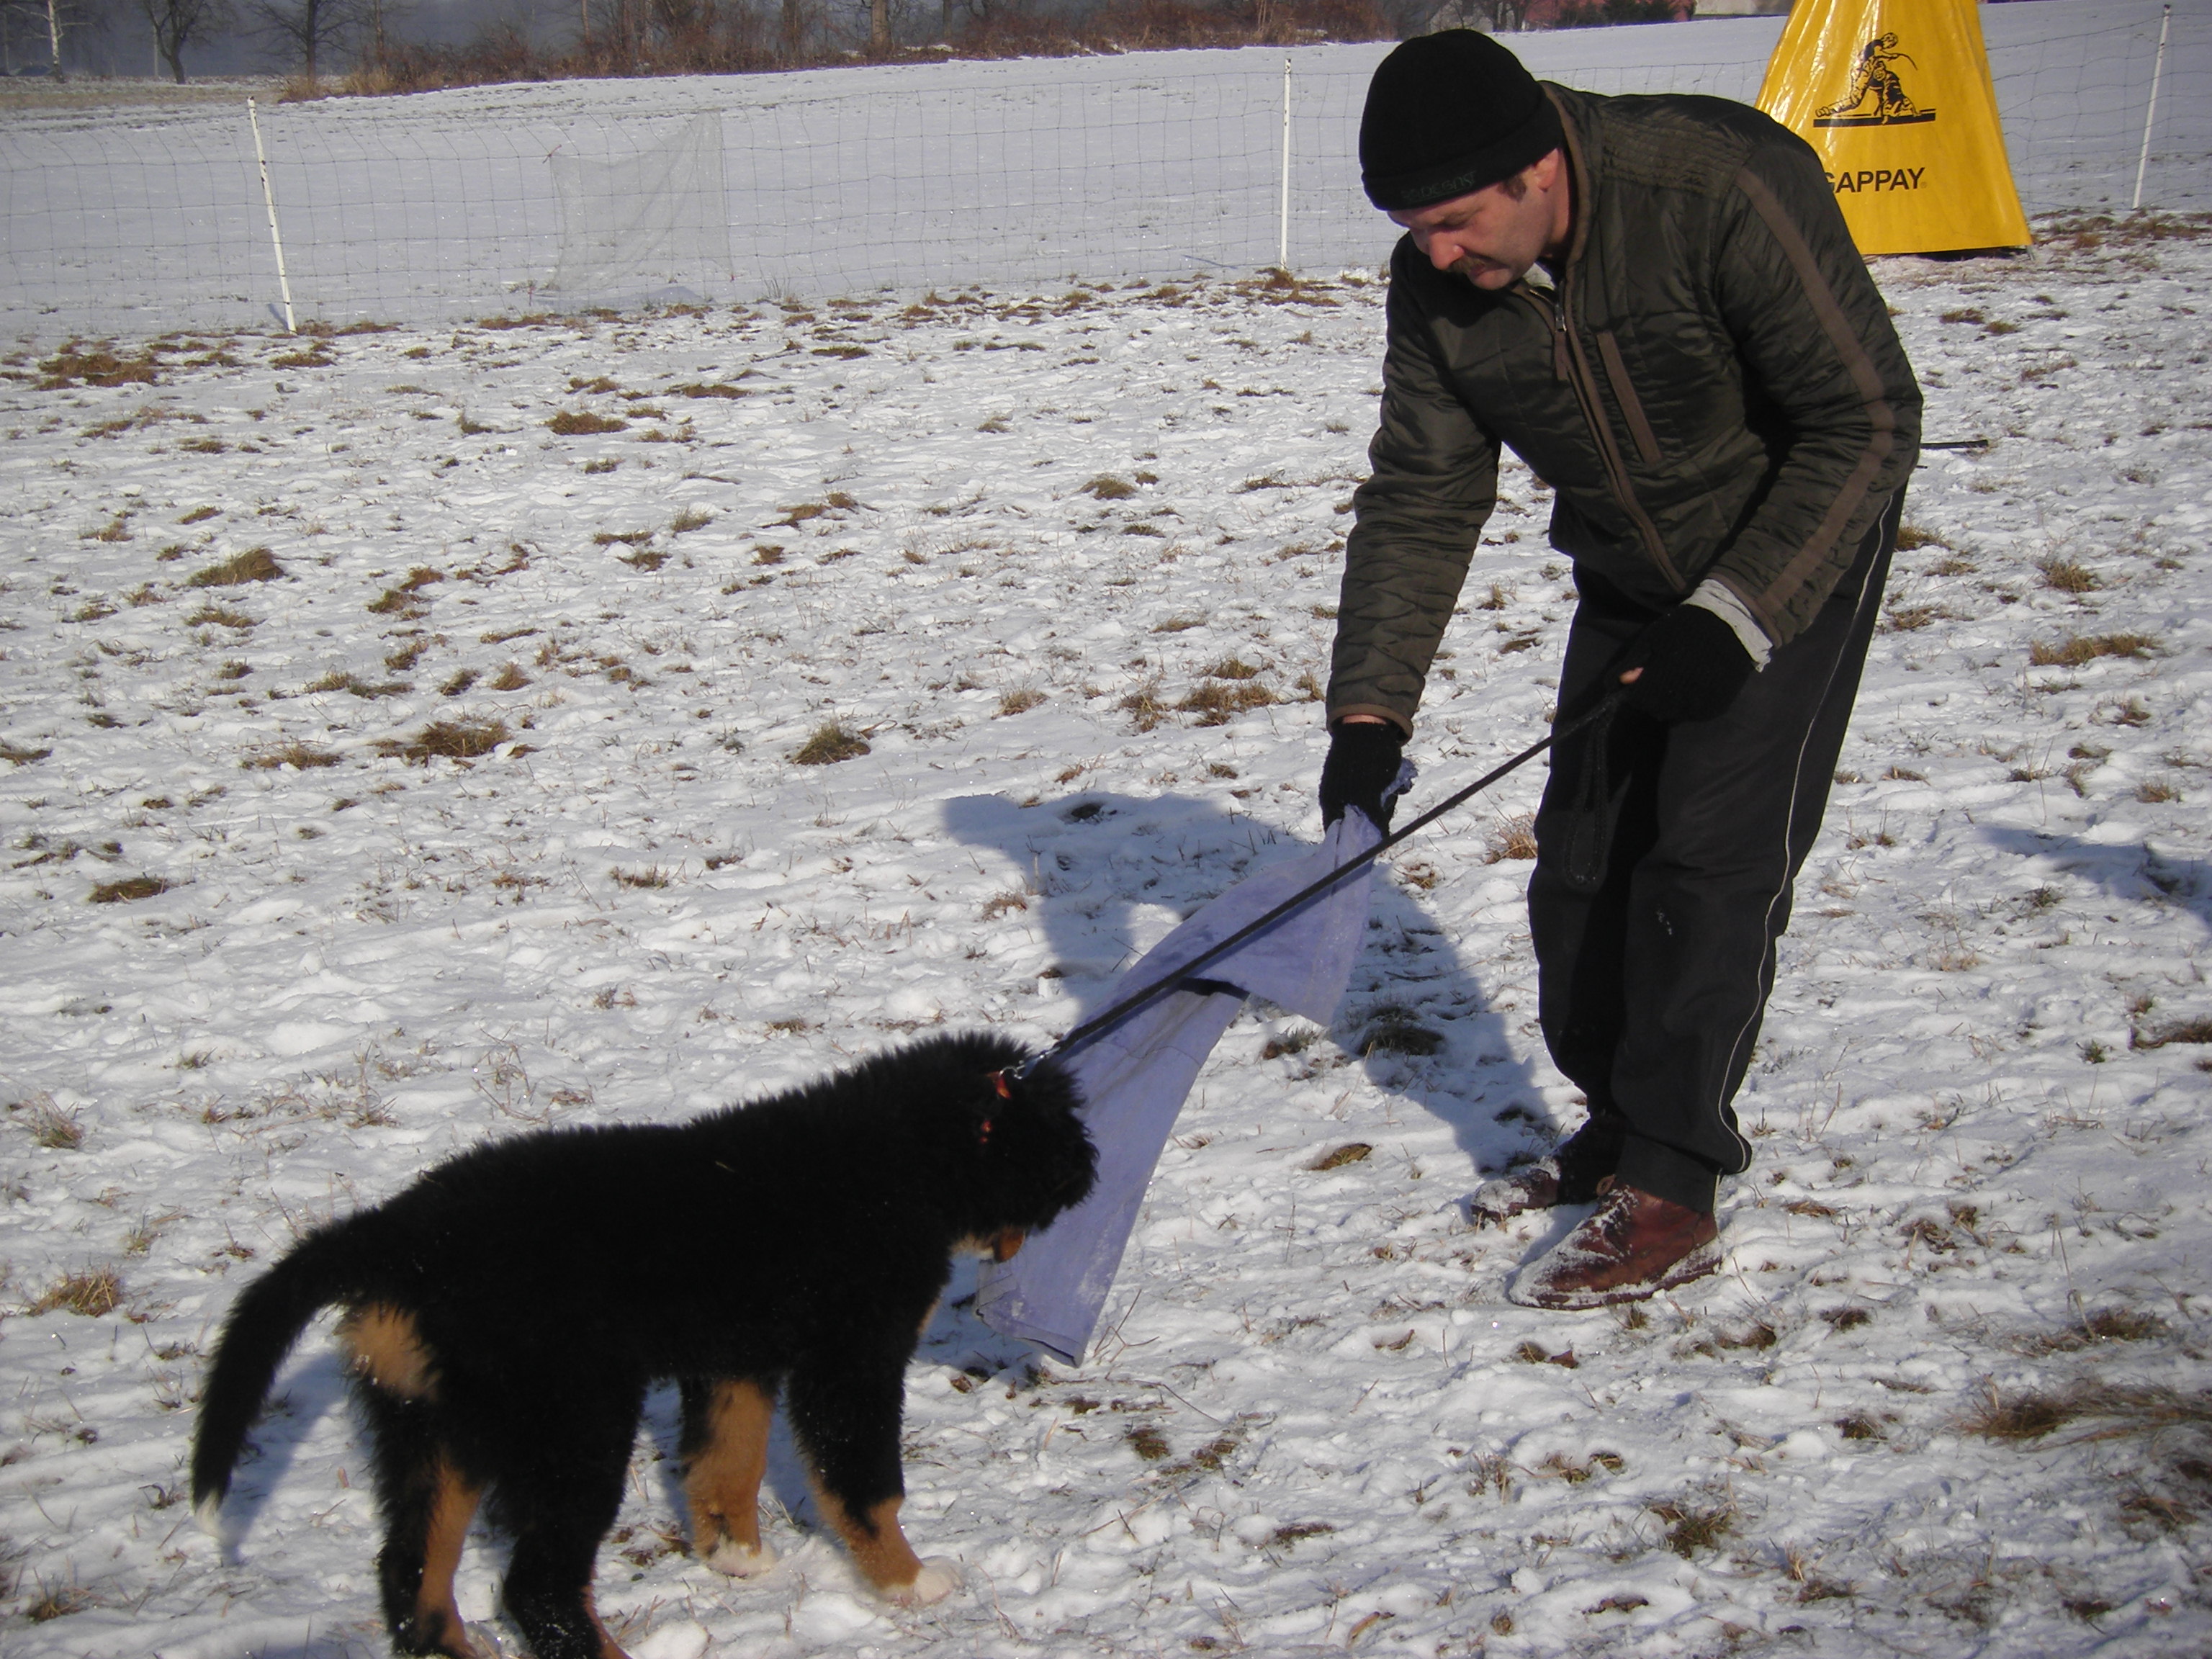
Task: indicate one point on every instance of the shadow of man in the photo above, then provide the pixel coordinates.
(1110, 874)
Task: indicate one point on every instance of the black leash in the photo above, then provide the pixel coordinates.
(1189, 975)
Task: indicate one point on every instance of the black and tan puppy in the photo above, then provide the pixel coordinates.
(506, 1314)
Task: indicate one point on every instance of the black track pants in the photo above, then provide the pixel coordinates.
(1662, 882)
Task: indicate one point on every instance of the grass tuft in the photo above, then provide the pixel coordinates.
(652, 876)
(1216, 702)
(2076, 649)
(89, 1294)
(1147, 1442)
(464, 739)
(578, 424)
(57, 1603)
(1694, 1527)
(1399, 1031)
(75, 365)
(129, 888)
(2068, 577)
(1020, 701)
(1144, 705)
(302, 756)
(831, 742)
(1352, 1152)
(52, 1128)
(256, 564)
(2198, 1029)
(1515, 838)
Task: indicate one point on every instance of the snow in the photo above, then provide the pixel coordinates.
(634, 906)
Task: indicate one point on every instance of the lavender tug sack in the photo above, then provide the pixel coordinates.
(1135, 1075)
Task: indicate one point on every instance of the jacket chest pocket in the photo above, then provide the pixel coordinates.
(1674, 379)
(1625, 398)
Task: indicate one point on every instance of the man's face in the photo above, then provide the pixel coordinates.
(1491, 236)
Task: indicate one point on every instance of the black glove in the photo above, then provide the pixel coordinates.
(1693, 665)
(1363, 761)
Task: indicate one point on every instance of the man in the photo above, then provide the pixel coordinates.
(1655, 301)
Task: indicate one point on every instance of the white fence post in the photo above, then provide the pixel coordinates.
(2157, 69)
(276, 236)
(1283, 227)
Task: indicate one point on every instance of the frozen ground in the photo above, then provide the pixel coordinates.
(998, 539)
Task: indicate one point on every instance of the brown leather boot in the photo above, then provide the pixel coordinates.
(1580, 1171)
(1633, 1245)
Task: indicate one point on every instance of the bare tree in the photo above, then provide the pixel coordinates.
(176, 22)
(51, 18)
(305, 29)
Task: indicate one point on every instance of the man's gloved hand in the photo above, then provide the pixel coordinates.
(1363, 761)
(1691, 666)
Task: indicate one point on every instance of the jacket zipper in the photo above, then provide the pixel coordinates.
(1569, 364)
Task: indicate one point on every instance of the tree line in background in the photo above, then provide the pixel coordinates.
(368, 46)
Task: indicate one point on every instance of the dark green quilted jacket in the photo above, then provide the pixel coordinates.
(1713, 389)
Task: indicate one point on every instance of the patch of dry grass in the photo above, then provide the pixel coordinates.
(1216, 702)
(1144, 707)
(89, 1294)
(2065, 577)
(1692, 1526)
(256, 564)
(458, 740)
(2076, 649)
(1020, 701)
(302, 756)
(1352, 1152)
(1514, 839)
(830, 742)
(2198, 1029)
(129, 888)
(51, 1128)
(576, 423)
(77, 364)
(1395, 1030)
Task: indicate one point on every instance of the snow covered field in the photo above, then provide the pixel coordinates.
(472, 807)
(137, 217)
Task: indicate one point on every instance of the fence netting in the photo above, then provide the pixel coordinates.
(1152, 166)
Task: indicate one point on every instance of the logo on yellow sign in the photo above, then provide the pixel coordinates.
(1878, 98)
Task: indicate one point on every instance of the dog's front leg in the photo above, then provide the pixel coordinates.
(725, 1446)
(845, 1415)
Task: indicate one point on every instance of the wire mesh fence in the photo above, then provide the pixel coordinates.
(1025, 174)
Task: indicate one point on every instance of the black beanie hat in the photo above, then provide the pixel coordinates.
(1447, 114)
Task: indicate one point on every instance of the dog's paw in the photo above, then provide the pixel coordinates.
(938, 1579)
(733, 1559)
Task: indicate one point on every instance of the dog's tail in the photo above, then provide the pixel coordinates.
(264, 1322)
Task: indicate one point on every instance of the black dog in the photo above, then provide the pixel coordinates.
(507, 1311)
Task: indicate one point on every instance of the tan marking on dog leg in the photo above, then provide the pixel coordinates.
(722, 1488)
(436, 1615)
(878, 1547)
(386, 1347)
(1008, 1244)
(609, 1648)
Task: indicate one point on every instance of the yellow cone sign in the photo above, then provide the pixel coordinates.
(1895, 95)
